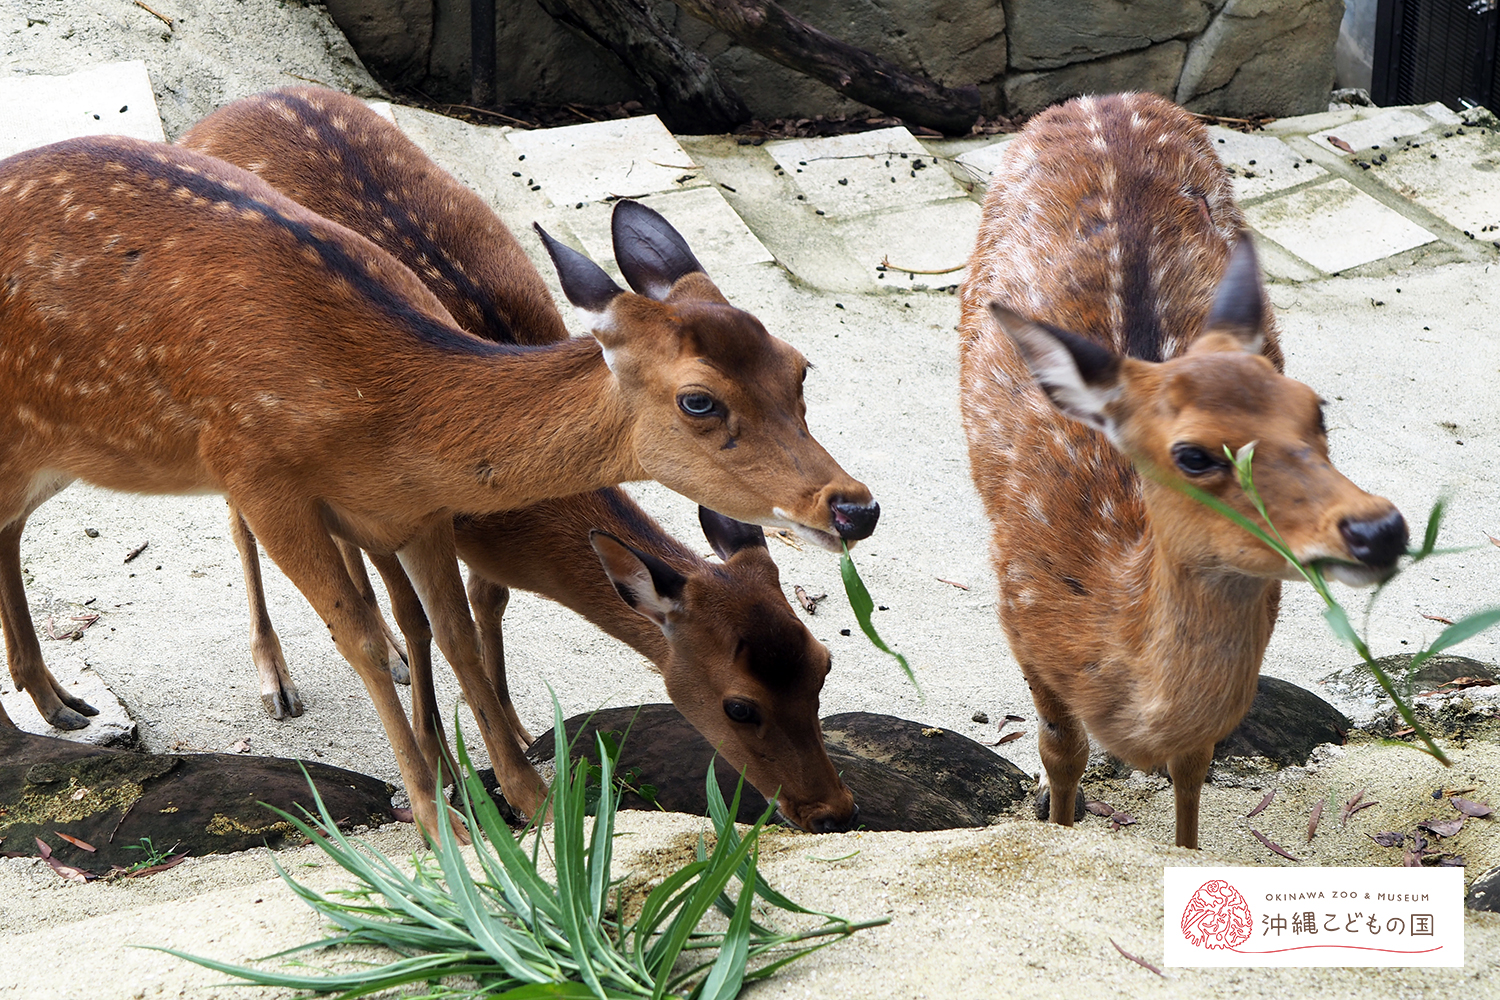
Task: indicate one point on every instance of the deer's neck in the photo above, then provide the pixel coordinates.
(506, 429)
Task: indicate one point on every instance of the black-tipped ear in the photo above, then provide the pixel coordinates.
(643, 581)
(649, 252)
(1079, 376)
(1239, 304)
(583, 282)
(728, 536)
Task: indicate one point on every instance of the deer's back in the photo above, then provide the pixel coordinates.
(1110, 217)
(330, 152)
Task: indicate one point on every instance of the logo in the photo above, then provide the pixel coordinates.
(1217, 916)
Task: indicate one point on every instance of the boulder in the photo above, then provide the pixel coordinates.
(1484, 893)
(392, 37)
(1284, 724)
(1153, 69)
(1272, 57)
(1044, 36)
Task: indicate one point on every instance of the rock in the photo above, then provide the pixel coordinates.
(1484, 893)
(1154, 69)
(392, 37)
(1359, 681)
(201, 803)
(1284, 724)
(902, 778)
(1042, 36)
(1272, 57)
(112, 727)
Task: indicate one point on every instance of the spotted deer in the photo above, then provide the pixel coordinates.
(258, 350)
(1115, 338)
(736, 659)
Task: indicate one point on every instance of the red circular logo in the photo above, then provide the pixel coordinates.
(1217, 917)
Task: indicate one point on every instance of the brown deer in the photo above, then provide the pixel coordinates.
(736, 660)
(1114, 323)
(258, 350)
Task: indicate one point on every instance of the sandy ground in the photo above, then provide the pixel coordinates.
(1017, 907)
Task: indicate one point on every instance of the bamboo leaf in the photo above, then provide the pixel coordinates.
(864, 606)
(1465, 628)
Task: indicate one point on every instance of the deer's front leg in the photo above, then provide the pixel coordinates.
(1064, 747)
(22, 650)
(277, 692)
(411, 619)
(1188, 772)
(431, 563)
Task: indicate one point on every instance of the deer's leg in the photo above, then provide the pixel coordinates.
(299, 543)
(277, 692)
(411, 619)
(1064, 746)
(489, 600)
(354, 562)
(1188, 772)
(22, 650)
(432, 564)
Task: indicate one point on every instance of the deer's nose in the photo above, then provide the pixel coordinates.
(835, 824)
(853, 521)
(1378, 542)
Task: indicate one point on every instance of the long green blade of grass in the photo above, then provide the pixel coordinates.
(864, 606)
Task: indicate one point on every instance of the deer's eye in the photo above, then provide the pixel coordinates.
(1196, 461)
(697, 404)
(741, 711)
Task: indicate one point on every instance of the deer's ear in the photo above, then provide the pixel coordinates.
(650, 253)
(1239, 304)
(1080, 377)
(728, 536)
(643, 581)
(583, 282)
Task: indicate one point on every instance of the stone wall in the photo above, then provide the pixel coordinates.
(1231, 57)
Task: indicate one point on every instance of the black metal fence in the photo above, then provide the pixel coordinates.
(1437, 50)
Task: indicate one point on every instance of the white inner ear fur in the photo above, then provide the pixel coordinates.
(595, 323)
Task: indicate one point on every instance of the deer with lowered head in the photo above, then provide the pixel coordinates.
(258, 350)
(1115, 337)
(736, 659)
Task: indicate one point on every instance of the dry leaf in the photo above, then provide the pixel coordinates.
(1100, 808)
(789, 538)
(1411, 859)
(1452, 861)
(402, 814)
(1334, 140)
(1010, 736)
(1138, 961)
(1273, 846)
(1312, 823)
(1388, 838)
(1120, 819)
(171, 862)
(1014, 718)
(1443, 827)
(1349, 806)
(1363, 805)
(41, 846)
(1478, 810)
(241, 746)
(1263, 803)
(81, 845)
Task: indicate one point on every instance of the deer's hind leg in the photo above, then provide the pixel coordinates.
(1188, 771)
(488, 601)
(354, 562)
(277, 692)
(1064, 747)
(23, 652)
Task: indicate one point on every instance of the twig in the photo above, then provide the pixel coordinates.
(487, 111)
(121, 822)
(952, 583)
(308, 79)
(136, 551)
(885, 262)
(580, 113)
(164, 19)
(1138, 961)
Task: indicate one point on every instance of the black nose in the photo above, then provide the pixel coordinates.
(854, 521)
(832, 824)
(1376, 543)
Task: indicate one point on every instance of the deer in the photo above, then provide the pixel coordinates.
(262, 352)
(1116, 342)
(736, 659)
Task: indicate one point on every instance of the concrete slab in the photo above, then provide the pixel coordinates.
(847, 175)
(1261, 164)
(591, 162)
(113, 726)
(983, 162)
(1380, 131)
(1335, 226)
(1456, 178)
(718, 237)
(935, 238)
(113, 99)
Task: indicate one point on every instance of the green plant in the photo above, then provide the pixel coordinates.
(152, 857)
(1333, 612)
(863, 606)
(509, 933)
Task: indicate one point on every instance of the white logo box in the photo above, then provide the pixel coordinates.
(1300, 917)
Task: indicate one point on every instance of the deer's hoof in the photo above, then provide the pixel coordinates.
(66, 718)
(1044, 805)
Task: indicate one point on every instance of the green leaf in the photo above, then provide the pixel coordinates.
(1464, 628)
(728, 973)
(1338, 622)
(1434, 521)
(863, 607)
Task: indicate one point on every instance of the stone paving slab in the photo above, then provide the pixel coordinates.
(1456, 178)
(598, 160)
(1382, 131)
(111, 727)
(1336, 226)
(935, 237)
(717, 236)
(112, 99)
(848, 175)
(983, 162)
(1261, 165)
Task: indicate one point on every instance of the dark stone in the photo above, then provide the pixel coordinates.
(1359, 680)
(1284, 724)
(201, 803)
(1484, 894)
(904, 776)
